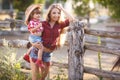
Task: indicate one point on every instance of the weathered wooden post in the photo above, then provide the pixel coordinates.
(76, 50)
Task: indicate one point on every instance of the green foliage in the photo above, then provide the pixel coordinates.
(81, 7)
(39, 1)
(9, 66)
(49, 2)
(113, 6)
(99, 56)
(21, 5)
(61, 75)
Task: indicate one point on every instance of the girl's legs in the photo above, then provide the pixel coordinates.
(40, 52)
(26, 55)
(39, 61)
(40, 47)
(28, 52)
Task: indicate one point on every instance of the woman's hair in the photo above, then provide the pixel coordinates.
(49, 11)
(35, 11)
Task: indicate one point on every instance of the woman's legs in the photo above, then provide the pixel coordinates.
(35, 71)
(45, 71)
(46, 57)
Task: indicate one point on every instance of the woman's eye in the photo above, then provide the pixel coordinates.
(54, 12)
(58, 12)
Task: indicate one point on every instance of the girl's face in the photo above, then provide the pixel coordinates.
(36, 16)
(55, 14)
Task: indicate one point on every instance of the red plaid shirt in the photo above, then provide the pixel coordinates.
(32, 24)
(50, 35)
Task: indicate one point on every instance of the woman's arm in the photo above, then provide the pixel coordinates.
(70, 17)
(37, 45)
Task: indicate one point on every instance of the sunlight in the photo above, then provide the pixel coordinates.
(62, 39)
(91, 4)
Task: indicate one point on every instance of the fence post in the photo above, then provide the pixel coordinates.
(76, 50)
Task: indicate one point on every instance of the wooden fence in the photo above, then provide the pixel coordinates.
(77, 46)
(11, 23)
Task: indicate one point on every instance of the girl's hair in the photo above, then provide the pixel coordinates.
(35, 11)
(49, 11)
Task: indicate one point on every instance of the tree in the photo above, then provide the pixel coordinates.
(113, 6)
(49, 2)
(21, 5)
(82, 8)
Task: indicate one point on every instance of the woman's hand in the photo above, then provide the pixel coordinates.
(70, 17)
(47, 50)
(60, 6)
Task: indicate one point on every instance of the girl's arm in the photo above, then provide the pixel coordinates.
(35, 28)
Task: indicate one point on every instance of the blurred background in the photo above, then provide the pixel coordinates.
(98, 14)
(93, 11)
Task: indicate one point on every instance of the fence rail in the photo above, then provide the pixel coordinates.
(76, 38)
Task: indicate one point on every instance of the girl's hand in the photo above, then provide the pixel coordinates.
(39, 25)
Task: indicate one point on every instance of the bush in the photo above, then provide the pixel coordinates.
(10, 66)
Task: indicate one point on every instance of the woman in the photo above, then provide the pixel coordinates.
(52, 28)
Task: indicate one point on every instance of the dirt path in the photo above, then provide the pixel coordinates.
(90, 59)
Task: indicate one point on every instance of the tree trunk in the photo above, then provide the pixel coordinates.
(76, 51)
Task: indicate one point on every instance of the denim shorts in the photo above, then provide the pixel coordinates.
(34, 38)
(46, 57)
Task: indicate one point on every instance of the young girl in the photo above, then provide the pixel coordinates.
(35, 27)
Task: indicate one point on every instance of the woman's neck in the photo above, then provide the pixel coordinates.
(52, 23)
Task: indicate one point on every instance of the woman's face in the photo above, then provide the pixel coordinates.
(55, 14)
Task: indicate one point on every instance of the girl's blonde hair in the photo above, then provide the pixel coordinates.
(49, 11)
